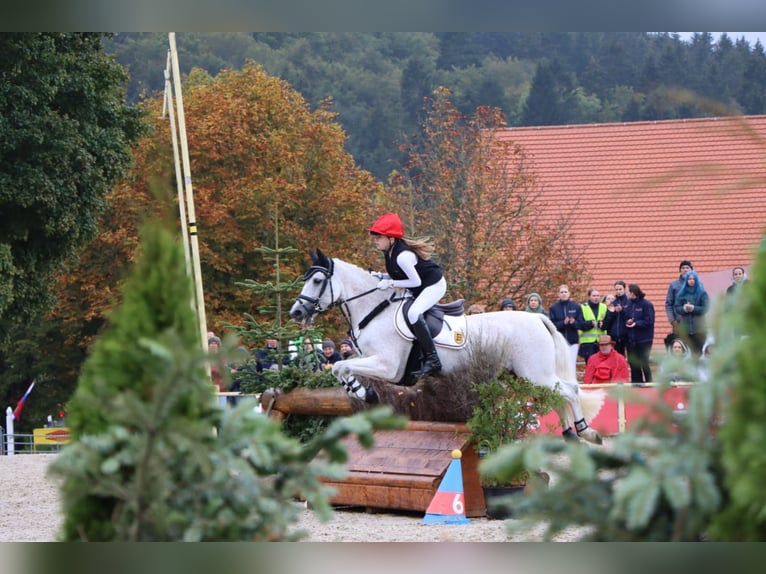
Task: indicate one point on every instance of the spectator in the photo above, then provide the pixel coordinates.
(640, 324)
(213, 345)
(239, 364)
(614, 322)
(567, 316)
(678, 363)
(593, 313)
(475, 309)
(535, 304)
(507, 305)
(738, 279)
(267, 358)
(606, 366)
(329, 355)
(692, 304)
(347, 349)
(670, 299)
(704, 362)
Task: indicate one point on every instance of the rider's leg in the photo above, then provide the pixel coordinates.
(429, 297)
(431, 363)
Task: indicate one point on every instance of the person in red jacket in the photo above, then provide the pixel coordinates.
(606, 366)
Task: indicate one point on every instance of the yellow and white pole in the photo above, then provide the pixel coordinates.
(193, 238)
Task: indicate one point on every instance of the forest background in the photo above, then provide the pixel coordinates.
(305, 136)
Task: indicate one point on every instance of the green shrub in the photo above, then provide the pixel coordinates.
(153, 458)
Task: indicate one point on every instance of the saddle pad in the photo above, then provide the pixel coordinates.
(452, 335)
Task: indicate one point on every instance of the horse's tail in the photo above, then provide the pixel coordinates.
(564, 368)
(590, 401)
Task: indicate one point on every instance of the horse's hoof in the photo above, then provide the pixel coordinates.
(591, 436)
(371, 397)
(570, 435)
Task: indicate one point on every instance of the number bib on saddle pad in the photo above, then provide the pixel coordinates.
(453, 333)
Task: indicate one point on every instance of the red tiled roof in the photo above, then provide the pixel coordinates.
(647, 195)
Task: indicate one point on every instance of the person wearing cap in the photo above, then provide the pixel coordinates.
(409, 266)
(347, 349)
(507, 305)
(670, 299)
(607, 365)
(329, 355)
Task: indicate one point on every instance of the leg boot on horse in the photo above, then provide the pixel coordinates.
(431, 362)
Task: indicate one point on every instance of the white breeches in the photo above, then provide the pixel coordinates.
(429, 297)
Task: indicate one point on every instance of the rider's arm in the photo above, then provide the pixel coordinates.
(406, 261)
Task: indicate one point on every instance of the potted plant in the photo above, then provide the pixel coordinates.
(507, 409)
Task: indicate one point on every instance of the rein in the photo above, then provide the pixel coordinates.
(343, 303)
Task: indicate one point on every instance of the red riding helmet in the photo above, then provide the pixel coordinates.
(389, 225)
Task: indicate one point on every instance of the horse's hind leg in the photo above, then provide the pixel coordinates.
(570, 392)
(567, 433)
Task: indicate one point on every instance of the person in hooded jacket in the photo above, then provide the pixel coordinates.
(535, 304)
(409, 266)
(692, 304)
(738, 279)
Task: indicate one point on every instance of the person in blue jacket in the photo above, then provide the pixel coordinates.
(567, 316)
(692, 304)
(639, 321)
(614, 322)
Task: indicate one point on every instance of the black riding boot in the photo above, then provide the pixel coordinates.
(431, 363)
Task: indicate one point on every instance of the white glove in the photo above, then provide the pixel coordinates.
(385, 283)
(376, 274)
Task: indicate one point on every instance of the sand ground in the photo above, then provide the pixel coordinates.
(29, 512)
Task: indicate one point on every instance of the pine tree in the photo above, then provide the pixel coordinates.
(153, 458)
(740, 364)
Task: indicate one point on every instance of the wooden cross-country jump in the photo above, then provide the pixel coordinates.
(403, 469)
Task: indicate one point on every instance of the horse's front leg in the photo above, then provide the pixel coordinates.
(347, 371)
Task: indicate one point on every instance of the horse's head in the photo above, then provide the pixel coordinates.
(315, 297)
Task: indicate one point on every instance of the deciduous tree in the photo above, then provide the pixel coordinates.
(477, 196)
(64, 141)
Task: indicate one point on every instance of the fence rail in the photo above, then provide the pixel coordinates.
(615, 417)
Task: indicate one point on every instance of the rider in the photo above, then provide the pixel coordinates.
(408, 266)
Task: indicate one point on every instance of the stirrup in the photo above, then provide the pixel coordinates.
(427, 369)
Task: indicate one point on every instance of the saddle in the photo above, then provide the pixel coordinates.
(447, 324)
(435, 315)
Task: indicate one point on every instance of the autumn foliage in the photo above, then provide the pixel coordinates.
(480, 200)
(257, 152)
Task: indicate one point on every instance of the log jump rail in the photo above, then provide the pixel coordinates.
(403, 470)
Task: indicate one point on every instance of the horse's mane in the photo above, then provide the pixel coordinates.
(355, 269)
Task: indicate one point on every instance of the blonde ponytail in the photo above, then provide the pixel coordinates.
(422, 246)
